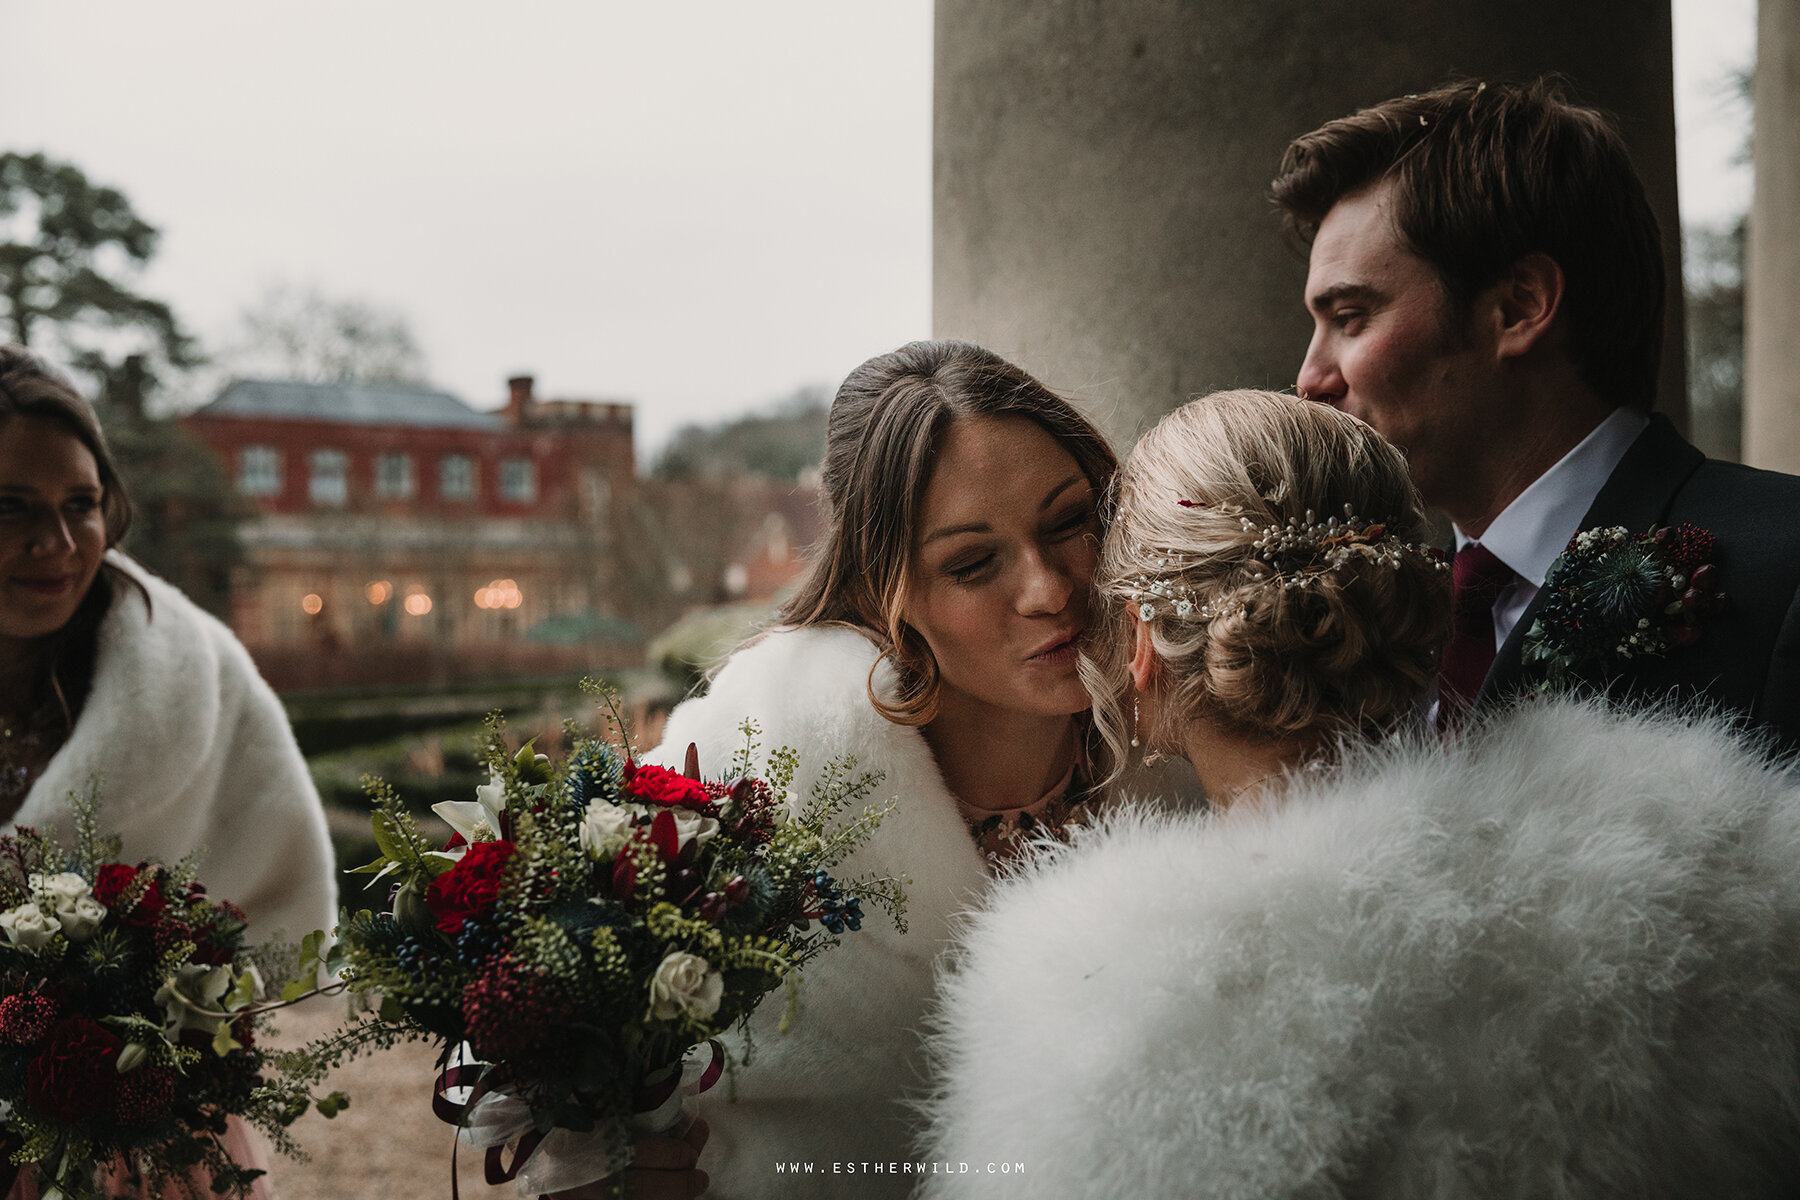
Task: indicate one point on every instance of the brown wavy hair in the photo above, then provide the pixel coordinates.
(881, 443)
(1354, 651)
(1484, 174)
(29, 388)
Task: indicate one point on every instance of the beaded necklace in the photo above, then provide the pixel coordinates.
(25, 748)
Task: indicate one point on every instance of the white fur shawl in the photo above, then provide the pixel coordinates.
(193, 751)
(1558, 959)
(829, 1092)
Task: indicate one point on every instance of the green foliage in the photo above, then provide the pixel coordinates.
(92, 848)
(56, 280)
(403, 848)
(186, 514)
(1714, 270)
(780, 444)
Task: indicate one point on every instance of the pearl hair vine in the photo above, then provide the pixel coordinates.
(1291, 556)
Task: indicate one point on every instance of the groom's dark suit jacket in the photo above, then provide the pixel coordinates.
(1747, 657)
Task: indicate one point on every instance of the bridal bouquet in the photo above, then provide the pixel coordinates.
(589, 922)
(125, 1020)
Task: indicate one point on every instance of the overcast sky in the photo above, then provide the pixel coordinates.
(697, 207)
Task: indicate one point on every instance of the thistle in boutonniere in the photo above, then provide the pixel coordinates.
(1613, 596)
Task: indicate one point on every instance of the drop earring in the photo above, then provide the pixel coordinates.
(1134, 721)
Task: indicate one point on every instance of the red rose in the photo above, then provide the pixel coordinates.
(470, 888)
(659, 785)
(112, 880)
(115, 878)
(74, 1078)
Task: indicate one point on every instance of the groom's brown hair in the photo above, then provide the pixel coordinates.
(1485, 174)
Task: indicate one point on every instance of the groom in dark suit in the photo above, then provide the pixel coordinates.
(1486, 285)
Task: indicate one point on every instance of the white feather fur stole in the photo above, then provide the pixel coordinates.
(1559, 958)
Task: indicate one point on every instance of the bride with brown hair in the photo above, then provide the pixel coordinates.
(934, 639)
(1554, 956)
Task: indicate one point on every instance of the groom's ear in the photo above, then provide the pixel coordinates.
(1143, 655)
(1525, 304)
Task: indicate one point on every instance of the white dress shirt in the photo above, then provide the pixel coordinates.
(1531, 531)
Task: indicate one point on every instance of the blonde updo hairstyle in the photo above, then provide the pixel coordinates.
(1352, 650)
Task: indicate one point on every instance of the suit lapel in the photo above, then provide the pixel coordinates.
(1637, 495)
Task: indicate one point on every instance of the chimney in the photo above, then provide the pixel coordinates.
(518, 396)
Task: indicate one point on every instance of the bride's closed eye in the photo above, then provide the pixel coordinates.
(969, 570)
(1076, 520)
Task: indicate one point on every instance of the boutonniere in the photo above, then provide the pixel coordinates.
(1613, 596)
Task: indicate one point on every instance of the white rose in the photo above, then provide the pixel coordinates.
(692, 827)
(29, 927)
(685, 983)
(62, 891)
(606, 828)
(69, 898)
(80, 919)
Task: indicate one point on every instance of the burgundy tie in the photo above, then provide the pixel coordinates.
(1476, 579)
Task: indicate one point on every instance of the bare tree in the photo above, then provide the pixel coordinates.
(300, 333)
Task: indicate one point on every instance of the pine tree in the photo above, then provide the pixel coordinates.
(69, 249)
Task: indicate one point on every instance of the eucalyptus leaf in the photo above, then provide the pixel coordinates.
(392, 839)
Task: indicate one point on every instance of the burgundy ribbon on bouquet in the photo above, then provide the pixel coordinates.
(649, 1099)
(495, 1168)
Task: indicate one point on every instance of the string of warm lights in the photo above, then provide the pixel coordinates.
(497, 595)
(501, 593)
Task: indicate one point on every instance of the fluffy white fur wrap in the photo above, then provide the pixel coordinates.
(1558, 959)
(830, 1091)
(193, 751)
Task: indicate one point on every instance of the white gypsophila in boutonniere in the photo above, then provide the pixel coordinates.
(1613, 596)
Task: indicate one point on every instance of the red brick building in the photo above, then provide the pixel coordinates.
(405, 537)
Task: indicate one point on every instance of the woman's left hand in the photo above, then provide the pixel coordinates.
(661, 1168)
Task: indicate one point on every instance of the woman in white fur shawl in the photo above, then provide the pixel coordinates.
(1556, 957)
(934, 640)
(109, 677)
(113, 681)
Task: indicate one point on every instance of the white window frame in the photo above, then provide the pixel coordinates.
(394, 478)
(259, 471)
(458, 483)
(326, 487)
(518, 480)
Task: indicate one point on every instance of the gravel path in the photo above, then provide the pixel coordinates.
(387, 1144)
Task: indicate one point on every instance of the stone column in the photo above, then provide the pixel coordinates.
(1772, 257)
(1102, 168)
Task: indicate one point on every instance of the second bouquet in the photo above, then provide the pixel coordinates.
(590, 922)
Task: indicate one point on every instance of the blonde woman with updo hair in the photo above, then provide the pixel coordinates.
(1552, 955)
(1239, 667)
